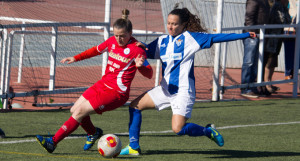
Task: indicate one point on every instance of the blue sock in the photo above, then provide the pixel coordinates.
(192, 129)
(134, 127)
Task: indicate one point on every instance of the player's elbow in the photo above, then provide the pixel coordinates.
(150, 72)
(150, 76)
(146, 71)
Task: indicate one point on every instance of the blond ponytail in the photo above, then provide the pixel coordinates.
(125, 13)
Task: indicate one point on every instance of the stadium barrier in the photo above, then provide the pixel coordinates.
(9, 38)
(262, 36)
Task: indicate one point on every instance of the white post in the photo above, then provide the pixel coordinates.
(21, 55)
(3, 60)
(157, 72)
(7, 70)
(216, 87)
(106, 33)
(224, 61)
(297, 51)
(1, 40)
(261, 55)
(53, 58)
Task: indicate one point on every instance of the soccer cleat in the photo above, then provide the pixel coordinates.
(129, 151)
(216, 136)
(46, 143)
(210, 125)
(91, 139)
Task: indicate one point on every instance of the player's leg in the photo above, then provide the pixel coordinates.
(182, 109)
(93, 133)
(155, 98)
(192, 129)
(102, 99)
(84, 109)
(143, 102)
(86, 122)
(180, 127)
(77, 103)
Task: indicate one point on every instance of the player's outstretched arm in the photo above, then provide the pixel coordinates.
(69, 60)
(87, 54)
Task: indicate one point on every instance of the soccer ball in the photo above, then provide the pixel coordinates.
(109, 146)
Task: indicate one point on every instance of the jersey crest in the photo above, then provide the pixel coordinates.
(178, 42)
(126, 51)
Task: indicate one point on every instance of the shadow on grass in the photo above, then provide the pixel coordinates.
(226, 153)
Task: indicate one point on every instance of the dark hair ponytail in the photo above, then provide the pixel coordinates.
(192, 22)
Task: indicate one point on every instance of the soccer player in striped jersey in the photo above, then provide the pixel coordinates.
(177, 88)
(109, 93)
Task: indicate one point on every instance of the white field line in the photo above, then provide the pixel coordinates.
(163, 132)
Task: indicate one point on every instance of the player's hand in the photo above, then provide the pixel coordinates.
(139, 44)
(139, 60)
(68, 59)
(252, 34)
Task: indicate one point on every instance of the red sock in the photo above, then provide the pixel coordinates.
(88, 126)
(66, 129)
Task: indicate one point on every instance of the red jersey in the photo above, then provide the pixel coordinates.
(121, 68)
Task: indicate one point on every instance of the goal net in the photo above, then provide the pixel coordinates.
(32, 46)
(77, 26)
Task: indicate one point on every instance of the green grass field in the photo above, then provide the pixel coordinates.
(253, 130)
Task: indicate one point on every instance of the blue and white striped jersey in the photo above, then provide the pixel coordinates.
(177, 57)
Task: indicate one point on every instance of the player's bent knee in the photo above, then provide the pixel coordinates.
(136, 105)
(176, 130)
(72, 110)
(132, 105)
(79, 113)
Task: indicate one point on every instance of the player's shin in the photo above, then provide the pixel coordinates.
(88, 126)
(134, 127)
(192, 129)
(66, 129)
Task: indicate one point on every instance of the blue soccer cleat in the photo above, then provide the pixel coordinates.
(216, 136)
(129, 151)
(91, 139)
(46, 143)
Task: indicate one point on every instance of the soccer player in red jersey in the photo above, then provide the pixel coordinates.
(109, 93)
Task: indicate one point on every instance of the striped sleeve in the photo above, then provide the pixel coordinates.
(207, 40)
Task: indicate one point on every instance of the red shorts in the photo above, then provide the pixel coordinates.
(103, 98)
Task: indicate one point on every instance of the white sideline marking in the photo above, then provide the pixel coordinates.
(267, 124)
(163, 132)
